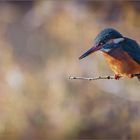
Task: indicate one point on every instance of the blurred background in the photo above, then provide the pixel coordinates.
(40, 42)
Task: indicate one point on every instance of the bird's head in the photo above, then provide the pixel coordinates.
(105, 41)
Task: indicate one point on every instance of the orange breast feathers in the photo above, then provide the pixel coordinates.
(121, 63)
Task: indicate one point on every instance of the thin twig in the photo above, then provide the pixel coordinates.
(90, 79)
(97, 78)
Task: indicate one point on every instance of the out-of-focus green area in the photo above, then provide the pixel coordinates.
(40, 42)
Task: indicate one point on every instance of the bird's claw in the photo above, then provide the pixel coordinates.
(117, 77)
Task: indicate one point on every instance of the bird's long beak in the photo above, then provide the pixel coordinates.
(90, 51)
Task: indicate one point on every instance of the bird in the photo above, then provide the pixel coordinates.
(121, 53)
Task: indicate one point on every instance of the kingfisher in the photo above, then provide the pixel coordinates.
(121, 53)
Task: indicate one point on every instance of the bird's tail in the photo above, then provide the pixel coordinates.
(138, 78)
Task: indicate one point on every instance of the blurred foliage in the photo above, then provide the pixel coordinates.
(40, 43)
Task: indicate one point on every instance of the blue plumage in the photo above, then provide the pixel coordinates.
(107, 34)
(132, 48)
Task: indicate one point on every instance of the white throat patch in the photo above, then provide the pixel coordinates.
(118, 40)
(105, 50)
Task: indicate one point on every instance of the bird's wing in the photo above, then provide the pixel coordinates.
(132, 48)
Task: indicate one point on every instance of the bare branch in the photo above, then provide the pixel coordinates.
(90, 79)
(98, 78)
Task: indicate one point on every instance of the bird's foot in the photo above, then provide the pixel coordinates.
(117, 77)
